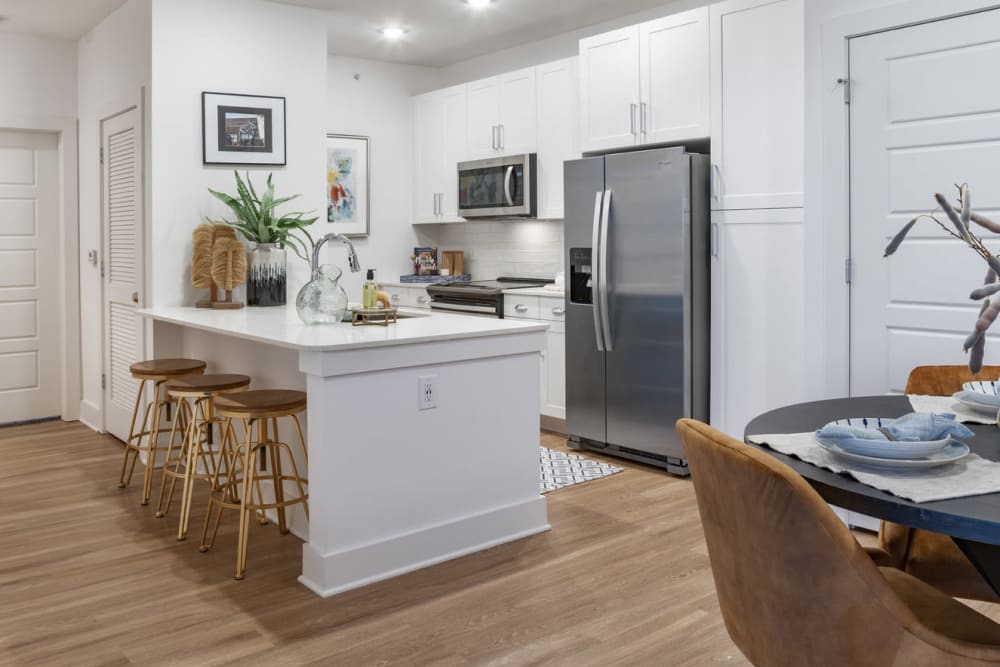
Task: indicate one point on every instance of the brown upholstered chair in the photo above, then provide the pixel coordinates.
(933, 557)
(794, 585)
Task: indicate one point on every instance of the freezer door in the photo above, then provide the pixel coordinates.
(647, 233)
(585, 393)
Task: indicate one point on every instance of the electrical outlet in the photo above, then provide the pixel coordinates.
(427, 392)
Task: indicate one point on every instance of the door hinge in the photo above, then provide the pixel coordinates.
(104, 381)
(102, 154)
(846, 83)
(848, 270)
(102, 267)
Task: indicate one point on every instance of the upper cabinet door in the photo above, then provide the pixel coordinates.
(428, 133)
(609, 90)
(674, 75)
(517, 131)
(757, 104)
(483, 118)
(453, 149)
(558, 131)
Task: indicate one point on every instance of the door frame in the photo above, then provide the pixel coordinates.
(65, 129)
(828, 221)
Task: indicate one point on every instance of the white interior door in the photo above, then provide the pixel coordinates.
(121, 203)
(29, 294)
(925, 115)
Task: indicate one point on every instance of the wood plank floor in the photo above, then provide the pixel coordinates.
(88, 577)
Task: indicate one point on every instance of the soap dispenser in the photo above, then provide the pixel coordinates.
(369, 291)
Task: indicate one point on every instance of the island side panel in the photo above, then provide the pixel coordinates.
(394, 488)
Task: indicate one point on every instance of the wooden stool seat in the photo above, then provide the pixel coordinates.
(261, 403)
(145, 429)
(194, 385)
(196, 457)
(261, 457)
(162, 369)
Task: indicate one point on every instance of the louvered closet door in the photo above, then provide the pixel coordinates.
(29, 292)
(121, 171)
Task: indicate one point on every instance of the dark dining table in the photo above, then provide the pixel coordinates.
(972, 522)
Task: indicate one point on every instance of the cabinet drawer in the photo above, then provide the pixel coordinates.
(399, 296)
(552, 309)
(520, 307)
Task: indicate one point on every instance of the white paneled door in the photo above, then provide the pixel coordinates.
(121, 204)
(29, 270)
(925, 115)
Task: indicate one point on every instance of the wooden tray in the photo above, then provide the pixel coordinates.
(382, 317)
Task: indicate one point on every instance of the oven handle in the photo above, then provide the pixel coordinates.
(506, 185)
(595, 275)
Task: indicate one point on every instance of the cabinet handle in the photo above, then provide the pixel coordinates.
(642, 117)
(421, 299)
(493, 135)
(394, 298)
(521, 308)
(631, 118)
(500, 137)
(716, 182)
(715, 239)
(558, 311)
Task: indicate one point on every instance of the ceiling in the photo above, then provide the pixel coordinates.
(69, 19)
(442, 32)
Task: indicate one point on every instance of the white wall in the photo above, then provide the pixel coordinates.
(114, 67)
(378, 104)
(236, 46)
(38, 76)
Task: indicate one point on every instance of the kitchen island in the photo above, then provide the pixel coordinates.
(394, 485)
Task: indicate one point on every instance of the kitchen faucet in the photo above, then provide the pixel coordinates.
(352, 256)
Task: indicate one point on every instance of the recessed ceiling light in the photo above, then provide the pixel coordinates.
(392, 32)
(478, 4)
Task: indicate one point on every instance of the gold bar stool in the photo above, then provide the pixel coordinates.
(241, 490)
(157, 371)
(195, 396)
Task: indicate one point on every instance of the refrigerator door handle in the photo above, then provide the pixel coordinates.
(602, 262)
(595, 271)
(506, 185)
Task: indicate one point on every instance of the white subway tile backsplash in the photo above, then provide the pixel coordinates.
(530, 248)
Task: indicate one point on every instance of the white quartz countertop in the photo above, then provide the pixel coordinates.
(282, 327)
(537, 291)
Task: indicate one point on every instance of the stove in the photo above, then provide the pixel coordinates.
(477, 297)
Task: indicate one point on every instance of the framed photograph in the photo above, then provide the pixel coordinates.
(243, 129)
(347, 184)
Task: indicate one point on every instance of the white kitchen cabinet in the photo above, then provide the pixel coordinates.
(406, 296)
(647, 83)
(758, 348)
(558, 131)
(609, 89)
(552, 372)
(501, 115)
(757, 84)
(440, 135)
(674, 78)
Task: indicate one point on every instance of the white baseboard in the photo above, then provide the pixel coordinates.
(333, 573)
(90, 415)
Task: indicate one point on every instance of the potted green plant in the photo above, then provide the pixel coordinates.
(269, 234)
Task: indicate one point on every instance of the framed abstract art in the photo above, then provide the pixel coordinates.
(347, 184)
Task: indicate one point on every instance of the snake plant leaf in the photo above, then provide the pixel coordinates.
(949, 210)
(898, 238)
(984, 291)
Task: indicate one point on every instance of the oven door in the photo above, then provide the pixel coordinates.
(468, 305)
(501, 187)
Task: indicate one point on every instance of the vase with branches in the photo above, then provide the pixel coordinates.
(257, 220)
(960, 218)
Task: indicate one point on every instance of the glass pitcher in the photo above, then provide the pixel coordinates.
(322, 300)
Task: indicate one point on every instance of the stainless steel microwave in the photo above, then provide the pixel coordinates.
(498, 187)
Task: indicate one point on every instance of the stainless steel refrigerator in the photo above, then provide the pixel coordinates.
(637, 302)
